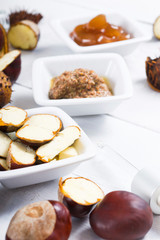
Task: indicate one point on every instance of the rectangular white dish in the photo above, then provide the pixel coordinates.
(63, 27)
(108, 65)
(52, 170)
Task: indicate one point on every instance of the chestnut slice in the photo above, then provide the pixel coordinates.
(4, 144)
(45, 220)
(11, 118)
(3, 164)
(64, 139)
(20, 155)
(67, 153)
(10, 64)
(79, 195)
(121, 215)
(47, 121)
(156, 28)
(34, 135)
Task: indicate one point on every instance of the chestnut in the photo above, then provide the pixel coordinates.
(121, 215)
(79, 195)
(45, 220)
(10, 64)
(1, 38)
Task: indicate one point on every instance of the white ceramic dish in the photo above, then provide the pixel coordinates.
(52, 170)
(110, 65)
(65, 26)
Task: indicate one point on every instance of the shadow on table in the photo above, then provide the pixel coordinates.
(156, 225)
(13, 199)
(81, 229)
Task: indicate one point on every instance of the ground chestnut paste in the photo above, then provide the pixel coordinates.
(80, 83)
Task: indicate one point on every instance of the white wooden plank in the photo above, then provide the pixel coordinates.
(141, 10)
(137, 145)
(143, 107)
(22, 97)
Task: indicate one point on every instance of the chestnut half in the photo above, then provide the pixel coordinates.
(45, 220)
(121, 215)
(79, 195)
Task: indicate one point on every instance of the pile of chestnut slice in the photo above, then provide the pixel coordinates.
(27, 141)
(119, 215)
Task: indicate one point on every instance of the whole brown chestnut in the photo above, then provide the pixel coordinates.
(45, 220)
(121, 215)
(79, 195)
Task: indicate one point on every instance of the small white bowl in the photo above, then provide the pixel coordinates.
(52, 170)
(109, 65)
(65, 26)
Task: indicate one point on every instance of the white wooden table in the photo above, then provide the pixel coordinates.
(126, 141)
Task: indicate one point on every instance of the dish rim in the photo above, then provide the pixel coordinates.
(57, 26)
(81, 101)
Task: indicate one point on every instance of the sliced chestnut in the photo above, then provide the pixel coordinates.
(20, 155)
(60, 142)
(3, 164)
(79, 195)
(11, 118)
(45, 220)
(121, 215)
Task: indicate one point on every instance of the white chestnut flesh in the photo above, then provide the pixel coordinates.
(67, 153)
(156, 28)
(11, 118)
(34, 134)
(79, 195)
(45, 220)
(4, 144)
(64, 139)
(47, 121)
(121, 215)
(20, 155)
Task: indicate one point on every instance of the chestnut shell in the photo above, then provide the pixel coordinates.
(76, 209)
(153, 73)
(121, 215)
(14, 69)
(1, 39)
(63, 224)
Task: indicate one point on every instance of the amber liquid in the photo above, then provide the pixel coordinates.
(98, 31)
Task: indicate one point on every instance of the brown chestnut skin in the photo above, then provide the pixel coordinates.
(121, 215)
(1, 39)
(13, 69)
(76, 209)
(63, 225)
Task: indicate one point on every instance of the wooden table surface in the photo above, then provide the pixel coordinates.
(127, 140)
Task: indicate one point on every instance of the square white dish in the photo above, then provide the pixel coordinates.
(65, 26)
(52, 170)
(108, 65)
